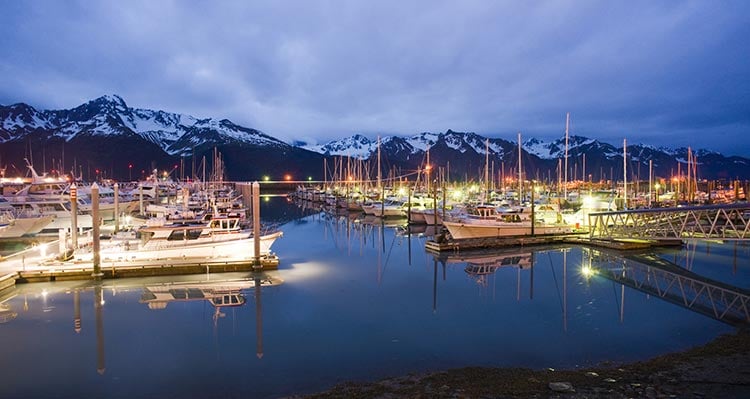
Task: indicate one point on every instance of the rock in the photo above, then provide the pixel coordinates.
(592, 374)
(561, 387)
(610, 380)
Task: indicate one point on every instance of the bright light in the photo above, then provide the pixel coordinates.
(657, 186)
(587, 272)
(266, 178)
(309, 178)
(588, 202)
(287, 177)
(401, 191)
(457, 195)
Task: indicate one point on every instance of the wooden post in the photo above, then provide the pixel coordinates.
(95, 231)
(140, 198)
(256, 223)
(117, 207)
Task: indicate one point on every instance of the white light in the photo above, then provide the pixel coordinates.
(587, 271)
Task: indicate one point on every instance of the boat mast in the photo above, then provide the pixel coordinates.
(379, 177)
(625, 173)
(486, 169)
(567, 127)
(520, 175)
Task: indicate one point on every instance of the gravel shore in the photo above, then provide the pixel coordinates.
(720, 369)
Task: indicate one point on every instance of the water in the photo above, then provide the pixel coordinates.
(350, 301)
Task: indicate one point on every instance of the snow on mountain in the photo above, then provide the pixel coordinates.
(110, 116)
(356, 146)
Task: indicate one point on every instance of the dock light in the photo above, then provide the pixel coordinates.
(401, 191)
(266, 178)
(309, 178)
(287, 177)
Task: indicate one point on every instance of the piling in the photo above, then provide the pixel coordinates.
(95, 231)
(74, 215)
(256, 223)
(116, 187)
(140, 199)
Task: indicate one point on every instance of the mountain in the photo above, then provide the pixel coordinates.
(465, 154)
(107, 136)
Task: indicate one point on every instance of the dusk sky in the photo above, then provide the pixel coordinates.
(672, 73)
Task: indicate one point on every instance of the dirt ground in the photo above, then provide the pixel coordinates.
(720, 369)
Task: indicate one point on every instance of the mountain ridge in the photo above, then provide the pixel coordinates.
(107, 133)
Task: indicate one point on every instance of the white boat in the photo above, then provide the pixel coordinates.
(486, 221)
(218, 238)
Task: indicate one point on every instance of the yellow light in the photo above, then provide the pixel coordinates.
(266, 178)
(587, 271)
(657, 186)
(401, 191)
(457, 195)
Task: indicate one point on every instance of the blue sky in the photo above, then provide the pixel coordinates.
(673, 73)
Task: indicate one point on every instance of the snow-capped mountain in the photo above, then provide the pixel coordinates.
(108, 116)
(106, 134)
(467, 152)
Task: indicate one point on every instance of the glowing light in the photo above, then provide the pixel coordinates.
(309, 178)
(287, 177)
(587, 271)
(266, 178)
(457, 195)
(401, 191)
(588, 202)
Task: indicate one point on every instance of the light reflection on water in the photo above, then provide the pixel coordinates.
(351, 301)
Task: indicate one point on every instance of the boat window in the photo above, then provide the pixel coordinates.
(176, 235)
(234, 299)
(193, 234)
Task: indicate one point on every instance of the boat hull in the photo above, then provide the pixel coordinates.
(235, 249)
(462, 230)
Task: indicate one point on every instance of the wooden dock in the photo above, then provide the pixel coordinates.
(521, 241)
(63, 271)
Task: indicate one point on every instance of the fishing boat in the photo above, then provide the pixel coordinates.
(487, 221)
(218, 237)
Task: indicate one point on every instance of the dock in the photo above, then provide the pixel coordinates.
(30, 266)
(521, 241)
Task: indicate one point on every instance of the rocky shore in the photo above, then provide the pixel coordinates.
(720, 369)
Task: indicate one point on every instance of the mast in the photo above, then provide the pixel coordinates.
(520, 176)
(625, 173)
(567, 127)
(379, 177)
(486, 169)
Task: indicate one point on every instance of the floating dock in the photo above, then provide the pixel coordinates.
(521, 241)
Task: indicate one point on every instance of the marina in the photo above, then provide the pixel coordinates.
(354, 299)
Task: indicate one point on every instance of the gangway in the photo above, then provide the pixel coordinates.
(723, 222)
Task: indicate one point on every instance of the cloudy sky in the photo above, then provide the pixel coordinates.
(671, 73)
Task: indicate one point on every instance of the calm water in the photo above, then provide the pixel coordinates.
(350, 301)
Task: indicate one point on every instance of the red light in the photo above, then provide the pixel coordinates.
(130, 166)
(287, 177)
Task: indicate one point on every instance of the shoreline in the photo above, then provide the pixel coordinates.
(718, 369)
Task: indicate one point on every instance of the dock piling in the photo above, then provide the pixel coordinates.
(95, 231)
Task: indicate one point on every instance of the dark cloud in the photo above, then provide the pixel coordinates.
(662, 73)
